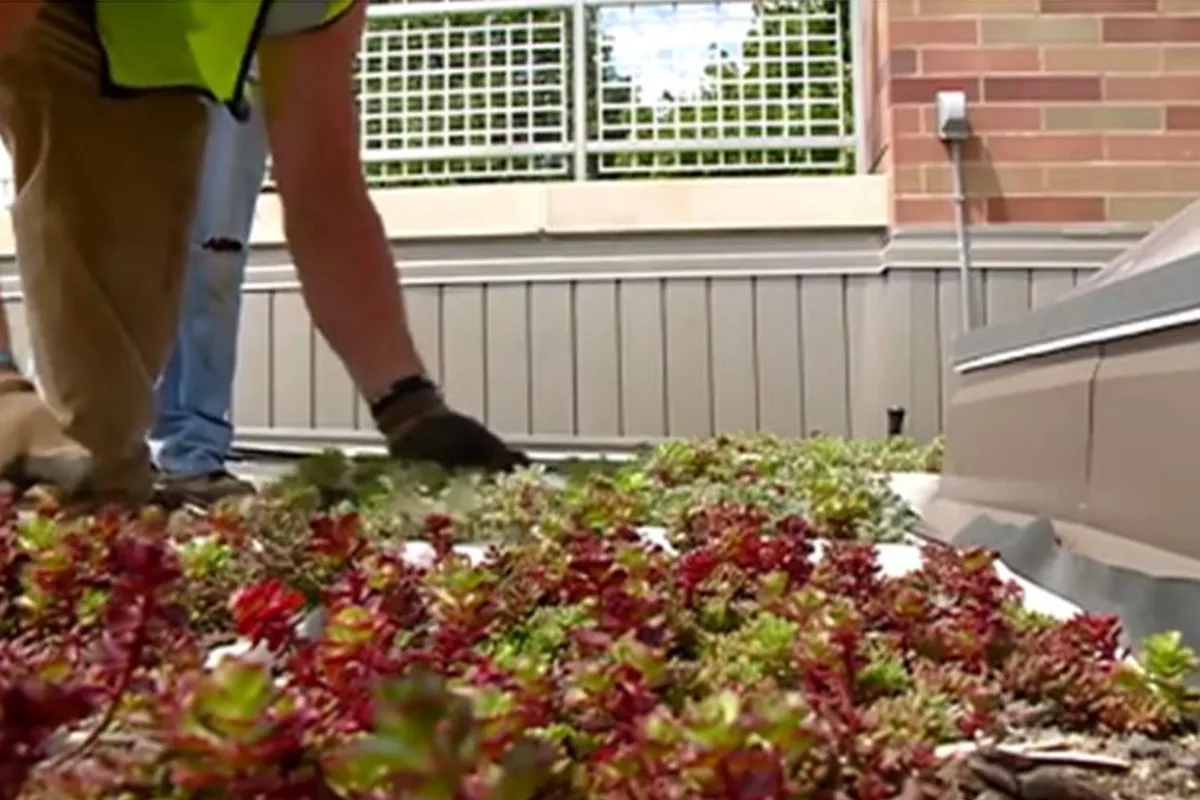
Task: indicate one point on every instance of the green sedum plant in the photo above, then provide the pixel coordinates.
(571, 660)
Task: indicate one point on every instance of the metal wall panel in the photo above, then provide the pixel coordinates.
(587, 341)
(826, 354)
(551, 354)
(779, 372)
(643, 358)
(253, 389)
(598, 352)
(688, 357)
(506, 361)
(587, 358)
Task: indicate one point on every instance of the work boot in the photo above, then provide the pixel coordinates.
(420, 427)
(34, 449)
(204, 491)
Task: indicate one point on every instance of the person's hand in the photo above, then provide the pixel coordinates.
(419, 426)
(454, 441)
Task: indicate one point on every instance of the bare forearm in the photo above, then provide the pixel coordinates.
(339, 243)
(349, 280)
(15, 17)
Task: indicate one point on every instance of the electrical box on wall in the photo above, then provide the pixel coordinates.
(952, 124)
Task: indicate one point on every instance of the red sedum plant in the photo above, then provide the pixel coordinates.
(576, 661)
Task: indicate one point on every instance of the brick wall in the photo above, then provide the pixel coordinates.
(1084, 110)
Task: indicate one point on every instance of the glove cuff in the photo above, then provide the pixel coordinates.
(405, 404)
(404, 386)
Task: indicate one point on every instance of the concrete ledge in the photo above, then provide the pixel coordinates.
(435, 212)
(646, 206)
(724, 204)
(708, 204)
(1084, 246)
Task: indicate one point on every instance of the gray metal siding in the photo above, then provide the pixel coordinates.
(649, 357)
(618, 339)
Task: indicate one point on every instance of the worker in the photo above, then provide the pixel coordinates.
(193, 431)
(101, 108)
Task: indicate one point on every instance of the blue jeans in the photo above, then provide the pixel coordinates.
(196, 390)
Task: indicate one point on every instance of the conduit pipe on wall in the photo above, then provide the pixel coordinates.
(953, 129)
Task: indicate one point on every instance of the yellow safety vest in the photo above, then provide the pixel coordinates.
(202, 45)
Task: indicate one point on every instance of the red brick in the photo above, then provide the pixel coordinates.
(1151, 29)
(1183, 118)
(1147, 207)
(928, 149)
(956, 61)
(1045, 147)
(901, 62)
(1153, 147)
(907, 121)
(1005, 119)
(1045, 209)
(1098, 6)
(933, 211)
(990, 119)
(924, 90)
(972, 8)
(908, 180)
(1150, 88)
(923, 32)
(987, 179)
(1047, 88)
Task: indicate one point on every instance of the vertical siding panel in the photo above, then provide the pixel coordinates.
(898, 347)
(18, 332)
(551, 338)
(424, 307)
(924, 398)
(950, 321)
(291, 365)
(780, 361)
(363, 420)
(334, 393)
(597, 359)
(251, 388)
(462, 347)
(689, 381)
(868, 303)
(823, 326)
(1049, 285)
(856, 344)
(1007, 294)
(735, 364)
(643, 369)
(507, 343)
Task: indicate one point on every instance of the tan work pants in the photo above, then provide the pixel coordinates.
(105, 193)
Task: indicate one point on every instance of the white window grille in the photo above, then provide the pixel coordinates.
(459, 96)
(453, 91)
(731, 87)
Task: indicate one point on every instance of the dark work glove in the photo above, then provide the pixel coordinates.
(419, 426)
